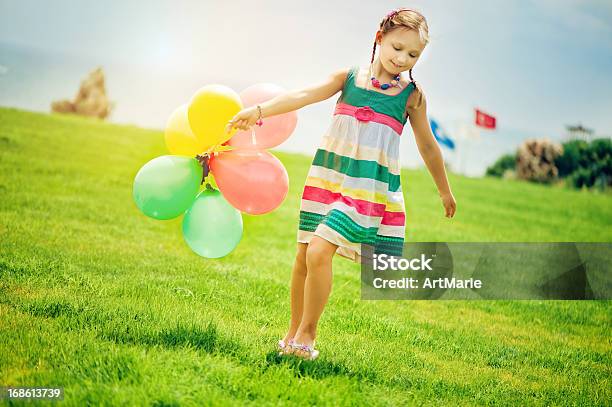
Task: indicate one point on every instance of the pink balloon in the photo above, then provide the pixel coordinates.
(252, 181)
(275, 129)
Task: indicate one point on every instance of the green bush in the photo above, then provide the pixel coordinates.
(505, 162)
(573, 157)
(587, 165)
(582, 164)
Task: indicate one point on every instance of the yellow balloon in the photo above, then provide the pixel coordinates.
(209, 111)
(179, 137)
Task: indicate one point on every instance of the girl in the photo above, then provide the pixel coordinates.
(352, 194)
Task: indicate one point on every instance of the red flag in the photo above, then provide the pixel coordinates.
(484, 120)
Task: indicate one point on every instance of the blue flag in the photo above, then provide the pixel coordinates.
(441, 135)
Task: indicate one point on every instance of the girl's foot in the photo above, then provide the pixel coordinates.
(303, 346)
(283, 344)
(284, 347)
(306, 352)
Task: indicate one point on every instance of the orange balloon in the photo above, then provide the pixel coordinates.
(252, 181)
(275, 129)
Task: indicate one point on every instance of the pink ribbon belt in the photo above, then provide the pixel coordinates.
(367, 114)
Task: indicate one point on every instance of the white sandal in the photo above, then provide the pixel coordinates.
(312, 353)
(283, 347)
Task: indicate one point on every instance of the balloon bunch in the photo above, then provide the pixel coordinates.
(249, 178)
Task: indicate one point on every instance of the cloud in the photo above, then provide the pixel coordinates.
(3, 70)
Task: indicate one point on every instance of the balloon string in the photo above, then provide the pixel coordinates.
(203, 160)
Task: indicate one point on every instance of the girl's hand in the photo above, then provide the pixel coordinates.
(450, 205)
(243, 120)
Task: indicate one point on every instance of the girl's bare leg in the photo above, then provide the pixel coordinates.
(298, 278)
(317, 287)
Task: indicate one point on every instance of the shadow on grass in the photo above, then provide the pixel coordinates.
(318, 368)
(124, 326)
(135, 328)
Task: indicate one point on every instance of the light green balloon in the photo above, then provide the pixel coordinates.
(166, 186)
(212, 227)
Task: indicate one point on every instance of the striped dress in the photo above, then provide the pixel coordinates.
(352, 195)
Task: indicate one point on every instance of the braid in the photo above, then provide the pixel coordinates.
(419, 95)
(373, 51)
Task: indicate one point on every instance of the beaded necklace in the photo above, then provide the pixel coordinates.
(395, 82)
(376, 83)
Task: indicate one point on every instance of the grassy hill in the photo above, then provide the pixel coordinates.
(114, 306)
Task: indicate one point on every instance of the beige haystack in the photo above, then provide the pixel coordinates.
(536, 160)
(91, 99)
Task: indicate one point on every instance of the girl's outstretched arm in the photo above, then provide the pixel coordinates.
(290, 101)
(430, 151)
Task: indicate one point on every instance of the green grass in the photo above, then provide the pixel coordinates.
(114, 307)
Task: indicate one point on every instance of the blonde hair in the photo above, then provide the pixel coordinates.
(412, 20)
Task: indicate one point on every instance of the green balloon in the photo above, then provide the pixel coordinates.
(212, 227)
(166, 186)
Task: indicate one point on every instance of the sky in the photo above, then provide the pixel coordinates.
(537, 65)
